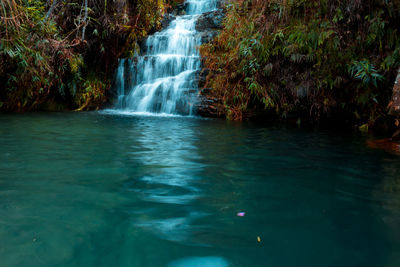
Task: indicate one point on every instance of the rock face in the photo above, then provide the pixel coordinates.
(395, 103)
(180, 9)
(210, 21)
(166, 20)
(209, 24)
(208, 106)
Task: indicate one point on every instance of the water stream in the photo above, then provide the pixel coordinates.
(163, 80)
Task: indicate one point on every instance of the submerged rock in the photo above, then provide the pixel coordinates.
(389, 145)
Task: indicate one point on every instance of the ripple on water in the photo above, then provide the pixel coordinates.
(200, 262)
(92, 190)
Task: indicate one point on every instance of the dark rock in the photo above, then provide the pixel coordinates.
(206, 91)
(166, 20)
(208, 25)
(208, 36)
(396, 136)
(142, 46)
(221, 4)
(180, 9)
(203, 77)
(210, 21)
(208, 107)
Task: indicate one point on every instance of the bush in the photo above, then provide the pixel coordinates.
(315, 58)
(54, 50)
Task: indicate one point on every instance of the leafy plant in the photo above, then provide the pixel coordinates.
(49, 50)
(366, 72)
(318, 58)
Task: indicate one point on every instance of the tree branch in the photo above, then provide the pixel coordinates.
(53, 5)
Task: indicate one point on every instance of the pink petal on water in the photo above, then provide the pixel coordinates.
(241, 214)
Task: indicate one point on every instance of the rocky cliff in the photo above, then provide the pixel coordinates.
(209, 25)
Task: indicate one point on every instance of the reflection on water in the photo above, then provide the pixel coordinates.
(94, 189)
(164, 153)
(170, 167)
(200, 262)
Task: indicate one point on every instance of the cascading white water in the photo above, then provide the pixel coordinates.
(164, 79)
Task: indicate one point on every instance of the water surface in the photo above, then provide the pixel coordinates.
(93, 189)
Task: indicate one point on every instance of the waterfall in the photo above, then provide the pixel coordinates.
(164, 78)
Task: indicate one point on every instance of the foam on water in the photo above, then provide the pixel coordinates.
(138, 113)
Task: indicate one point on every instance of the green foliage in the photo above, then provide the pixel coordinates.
(92, 95)
(68, 52)
(304, 57)
(366, 72)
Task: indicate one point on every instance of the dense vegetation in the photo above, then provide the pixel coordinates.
(306, 58)
(61, 54)
(313, 59)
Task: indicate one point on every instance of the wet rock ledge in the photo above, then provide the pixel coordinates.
(208, 25)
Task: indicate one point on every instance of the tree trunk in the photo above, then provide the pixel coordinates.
(53, 5)
(395, 103)
(85, 20)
